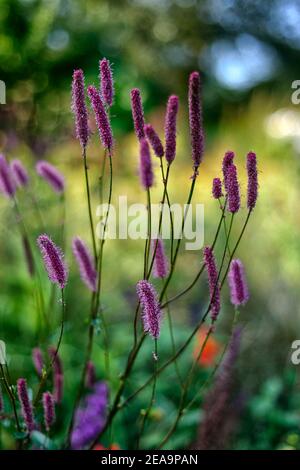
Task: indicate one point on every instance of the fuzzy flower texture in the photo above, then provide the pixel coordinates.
(146, 172)
(53, 261)
(106, 80)
(212, 274)
(27, 411)
(85, 262)
(102, 119)
(160, 260)
(151, 309)
(49, 410)
(79, 108)
(51, 175)
(239, 294)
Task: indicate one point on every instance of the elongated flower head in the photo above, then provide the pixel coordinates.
(90, 417)
(106, 81)
(195, 118)
(151, 309)
(154, 140)
(90, 376)
(50, 174)
(86, 264)
(102, 119)
(252, 180)
(38, 361)
(239, 294)
(19, 173)
(217, 188)
(7, 186)
(227, 162)
(233, 190)
(137, 113)
(146, 172)
(214, 288)
(170, 128)
(27, 411)
(53, 261)
(49, 410)
(79, 108)
(160, 261)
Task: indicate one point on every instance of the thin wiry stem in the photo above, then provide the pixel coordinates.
(88, 194)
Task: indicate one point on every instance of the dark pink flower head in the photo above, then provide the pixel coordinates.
(233, 189)
(38, 361)
(160, 261)
(49, 410)
(146, 172)
(90, 375)
(239, 294)
(86, 264)
(154, 140)
(252, 180)
(170, 128)
(151, 309)
(79, 108)
(50, 174)
(217, 188)
(26, 405)
(102, 119)
(7, 186)
(214, 288)
(106, 81)
(137, 113)
(227, 162)
(53, 260)
(195, 118)
(19, 173)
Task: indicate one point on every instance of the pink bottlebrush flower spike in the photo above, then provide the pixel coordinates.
(217, 188)
(214, 288)
(86, 264)
(137, 113)
(102, 119)
(252, 180)
(79, 108)
(49, 410)
(170, 128)
(227, 162)
(38, 361)
(90, 376)
(154, 140)
(195, 118)
(106, 81)
(160, 260)
(7, 186)
(26, 405)
(50, 174)
(53, 261)
(19, 173)
(151, 309)
(239, 294)
(233, 189)
(146, 172)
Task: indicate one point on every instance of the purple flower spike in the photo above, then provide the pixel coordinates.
(233, 190)
(106, 80)
(252, 180)
(7, 186)
(50, 174)
(154, 140)
(85, 262)
(137, 113)
(79, 108)
(239, 294)
(146, 173)
(195, 118)
(27, 411)
(19, 173)
(53, 261)
(49, 410)
(217, 188)
(160, 260)
(38, 361)
(227, 162)
(214, 288)
(90, 376)
(151, 309)
(102, 119)
(170, 128)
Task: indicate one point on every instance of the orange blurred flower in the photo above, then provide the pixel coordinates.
(210, 351)
(101, 447)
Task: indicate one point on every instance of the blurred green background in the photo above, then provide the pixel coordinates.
(248, 54)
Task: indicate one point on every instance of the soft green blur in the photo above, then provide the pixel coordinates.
(154, 46)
